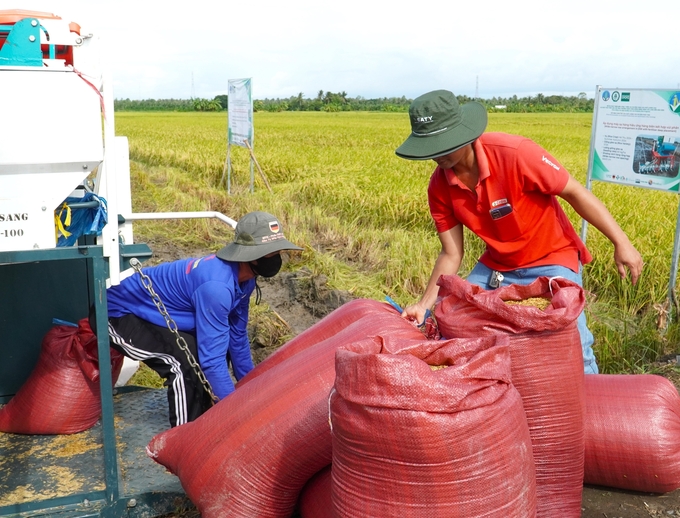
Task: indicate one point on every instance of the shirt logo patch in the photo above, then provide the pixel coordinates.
(502, 201)
(555, 167)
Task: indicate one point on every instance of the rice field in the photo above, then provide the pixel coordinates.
(361, 212)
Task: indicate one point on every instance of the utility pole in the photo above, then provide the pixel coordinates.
(477, 89)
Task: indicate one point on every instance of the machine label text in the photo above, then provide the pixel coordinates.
(12, 233)
(8, 217)
(22, 216)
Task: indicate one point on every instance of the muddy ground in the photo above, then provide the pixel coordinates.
(297, 300)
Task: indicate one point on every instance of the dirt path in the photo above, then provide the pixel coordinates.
(601, 502)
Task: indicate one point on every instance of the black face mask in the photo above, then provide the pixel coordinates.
(267, 266)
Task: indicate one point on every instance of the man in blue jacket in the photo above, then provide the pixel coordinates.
(208, 299)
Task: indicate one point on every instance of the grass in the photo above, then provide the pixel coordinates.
(361, 212)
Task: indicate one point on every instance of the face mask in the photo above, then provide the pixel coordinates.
(267, 266)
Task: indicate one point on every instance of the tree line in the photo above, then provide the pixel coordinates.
(340, 101)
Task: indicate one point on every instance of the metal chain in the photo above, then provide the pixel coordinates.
(172, 326)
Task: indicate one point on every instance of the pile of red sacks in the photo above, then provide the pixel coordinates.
(363, 415)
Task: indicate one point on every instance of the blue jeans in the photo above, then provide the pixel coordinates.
(481, 274)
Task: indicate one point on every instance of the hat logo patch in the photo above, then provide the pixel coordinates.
(274, 226)
(429, 118)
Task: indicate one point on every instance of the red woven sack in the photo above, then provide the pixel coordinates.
(251, 454)
(632, 427)
(315, 497)
(410, 441)
(62, 394)
(547, 370)
(329, 326)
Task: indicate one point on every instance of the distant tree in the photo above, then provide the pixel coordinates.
(297, 103)
(152, 105)
(223, 100)
(206, 105)
(341, 101)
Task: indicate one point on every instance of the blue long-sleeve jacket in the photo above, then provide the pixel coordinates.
(202, 296)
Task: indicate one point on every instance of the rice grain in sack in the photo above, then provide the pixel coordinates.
(547, 370)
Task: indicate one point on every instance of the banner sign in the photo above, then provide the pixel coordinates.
(636, 138)
(240, 112)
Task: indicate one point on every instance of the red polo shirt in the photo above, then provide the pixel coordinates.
(513, 208)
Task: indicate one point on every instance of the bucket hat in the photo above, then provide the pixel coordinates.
(257, 234)
(440, 125)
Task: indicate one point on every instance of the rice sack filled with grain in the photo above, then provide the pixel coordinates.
(435, 430)
(251, 454)
(632, 430)
(62, 393)
(547, 370)
(315, 497)
(327, 327)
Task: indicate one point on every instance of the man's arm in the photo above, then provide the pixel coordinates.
(239, 343)
(212, 303)
(590, 208)
(448, 262)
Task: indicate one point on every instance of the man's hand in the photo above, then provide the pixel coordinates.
(627, 256)
(594, 212)
(415, 313)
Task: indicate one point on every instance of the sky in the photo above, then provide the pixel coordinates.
(376, 48)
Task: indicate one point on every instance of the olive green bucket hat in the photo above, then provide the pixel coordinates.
(440, 125)
(257, 234)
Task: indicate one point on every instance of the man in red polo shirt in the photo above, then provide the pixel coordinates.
(503, 188)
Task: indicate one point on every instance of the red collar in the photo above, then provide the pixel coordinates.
(482, 166)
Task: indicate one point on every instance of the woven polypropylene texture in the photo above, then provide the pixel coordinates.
(315, 497)
(410, 441)
(632, 430)
(324, 328)
(251, 454)
(547, 370)
(62, 393)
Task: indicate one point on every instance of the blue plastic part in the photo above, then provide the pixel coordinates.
(396, 306)
(60, 322)
(22, 46)
(88, 218)
(393, 303)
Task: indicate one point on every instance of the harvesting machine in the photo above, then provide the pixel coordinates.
(663, 158)
(57, 143)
